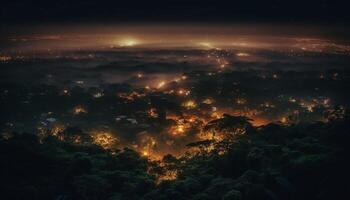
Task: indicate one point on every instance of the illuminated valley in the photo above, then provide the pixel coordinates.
(158, 99)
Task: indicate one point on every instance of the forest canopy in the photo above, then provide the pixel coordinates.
(300, 161)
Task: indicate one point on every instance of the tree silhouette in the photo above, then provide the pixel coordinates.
(228, 125)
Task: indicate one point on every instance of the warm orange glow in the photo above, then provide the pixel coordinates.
(183, 92)
(161, 84)
(145, 153)
(190, 104)
(79, 110)
(208, 101)
(242, 54)
(206, 45)
(153, 112)
(241, 101)
(284, 120)
(179, 129)
(128, 42)
(260, 122)
(5, 58)
(131, 96)
(168, 176)
(215, 115)
(104, 139)
(56, 129)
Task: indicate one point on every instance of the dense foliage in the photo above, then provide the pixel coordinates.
(303, 161)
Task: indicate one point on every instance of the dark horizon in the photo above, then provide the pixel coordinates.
(297, 11)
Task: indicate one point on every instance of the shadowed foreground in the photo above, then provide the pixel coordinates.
(304, 161)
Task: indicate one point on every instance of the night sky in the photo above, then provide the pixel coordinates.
(291, 11)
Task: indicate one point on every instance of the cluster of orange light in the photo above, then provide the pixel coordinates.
(152, 112)
(241, 54)
(208, 101)
(104, 139)
(183, 92)
(79, 110)
(5, 58)
(178, 130)
(128, 42)
(183, 77)
(131, 96)
(146, 147)
(54, 130)
(241, 101)
(160, 84)
(190, 104)
(167, 176)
